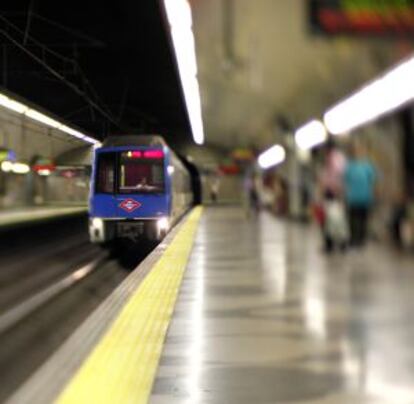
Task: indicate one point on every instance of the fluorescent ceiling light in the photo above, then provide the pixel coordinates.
(180, 19)
(37, 116)
(383, 95)
(13, 105)
(92, 141)
(20, 108)
(6, 166)
(20, 168)
(78, 135)
(73, 132)
(271, 157)
(310, 135)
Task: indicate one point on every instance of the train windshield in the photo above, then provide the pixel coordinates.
(141, 172)
(105, 175)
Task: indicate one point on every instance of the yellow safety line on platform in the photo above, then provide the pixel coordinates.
(122, 367)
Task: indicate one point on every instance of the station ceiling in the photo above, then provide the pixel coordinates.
(106, 67)
(262, 71)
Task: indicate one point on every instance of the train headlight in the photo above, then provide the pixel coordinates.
(162, 224)
(97, 223)
(97, 230)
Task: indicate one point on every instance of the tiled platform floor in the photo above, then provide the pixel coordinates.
(263, 317)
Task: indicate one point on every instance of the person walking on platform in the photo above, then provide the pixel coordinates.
(252, 198)
(330, 198)
(214, 189)
(360, 179)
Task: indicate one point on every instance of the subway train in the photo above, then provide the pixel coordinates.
(139, 190)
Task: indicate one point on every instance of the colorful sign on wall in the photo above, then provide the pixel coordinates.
(7, 154)
(362, 17)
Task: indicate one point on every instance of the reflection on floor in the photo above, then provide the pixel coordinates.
(263, 317)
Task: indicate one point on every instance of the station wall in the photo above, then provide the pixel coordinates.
(28, 139)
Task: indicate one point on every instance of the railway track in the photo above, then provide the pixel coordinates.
(33, 329)
(50, 281)
(19, 312)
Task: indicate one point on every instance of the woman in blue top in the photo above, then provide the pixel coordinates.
(359, 183)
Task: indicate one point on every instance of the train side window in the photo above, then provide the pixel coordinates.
(105, 177)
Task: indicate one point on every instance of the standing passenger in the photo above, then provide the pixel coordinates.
(331, 193)
(251, 194)
(214, 189)
(359, 180)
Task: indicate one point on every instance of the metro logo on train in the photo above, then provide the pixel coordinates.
(129, 205)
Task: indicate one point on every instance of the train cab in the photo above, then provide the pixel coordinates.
(139, 189)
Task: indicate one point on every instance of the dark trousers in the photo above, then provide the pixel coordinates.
(358, 224)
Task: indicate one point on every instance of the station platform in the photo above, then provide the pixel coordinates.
(234, 310)
(30, 215)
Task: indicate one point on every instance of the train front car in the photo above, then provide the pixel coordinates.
(134, 190)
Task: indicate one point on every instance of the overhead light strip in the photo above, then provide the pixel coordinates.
(310, 135)
(9, 103)
(180, 20)
(271, 157)
(383, 95)
(37, 116)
